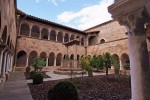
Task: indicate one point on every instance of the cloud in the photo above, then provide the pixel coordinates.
(37, 1)
(54, 2)
(62, 0)
(88, 16)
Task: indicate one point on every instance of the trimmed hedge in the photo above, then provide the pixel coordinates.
(63, 91)
(38, 78)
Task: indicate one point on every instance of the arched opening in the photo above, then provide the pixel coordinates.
(78, 57)
(21, 59)
(4, 35)
(102, 41)
(24, 29)
(44, 34)
(82, 41)
(66, 38)
(32, 56)
(72, 37)
(125, 61)
(91, 40)
(53, 35)
(51, 59)
(115, 59)
(78, 38)
(44, 56)
(35, 32)
(72, 57)
(58, 59)
(8, 41)
(60, 37)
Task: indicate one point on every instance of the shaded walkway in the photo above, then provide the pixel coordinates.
(16, 88)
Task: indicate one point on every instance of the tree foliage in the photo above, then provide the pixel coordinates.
(85, 64)
(38, 64)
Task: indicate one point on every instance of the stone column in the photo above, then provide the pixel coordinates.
(40, 37)
(4, 65)
(55, 61)
(56, 36)
(121, 67)
(47, 61)
(27, 61)
(30, 31)
(48, 35)
(139, 57)
(1, 62)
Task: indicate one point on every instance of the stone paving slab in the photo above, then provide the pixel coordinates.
(16, 88)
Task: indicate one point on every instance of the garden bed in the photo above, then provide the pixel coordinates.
(27, 75)
(91, 88)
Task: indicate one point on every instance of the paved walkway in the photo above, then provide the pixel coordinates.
(58, 76)
(16, 88)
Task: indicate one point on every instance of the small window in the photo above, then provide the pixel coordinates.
(102, 41)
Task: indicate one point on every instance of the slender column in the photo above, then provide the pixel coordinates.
(4, 66)
(1, 62)
(47, 61)
(55, 61)
(27, 61)
(30, 31)
(121, 67)
(40, 34)
(48, 35)
(63, 38)
(56, 36)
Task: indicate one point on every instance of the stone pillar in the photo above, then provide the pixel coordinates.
(139, 57)
(47, 61)
(56, 36)
(30, 31)
(1, 62)
(48, 35)
(55, 61)
(75, 56)
(4, 65)
(121, 67)
(27, 61)
(40, 37)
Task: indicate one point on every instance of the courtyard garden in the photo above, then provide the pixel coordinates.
(101, 87)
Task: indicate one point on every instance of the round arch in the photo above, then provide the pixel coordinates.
(51, 59)
(116, 57)
(60, 37)
(35, 31)
(32, 56)
(78, 57)
(102, 41)
(21, 59)
(44, 33)
(44, 56)
(72, 57)
(58, 59)
(24, 29)
(66, 38)
(53, 35)
(125, 61)
(72, 37)
(4, 35)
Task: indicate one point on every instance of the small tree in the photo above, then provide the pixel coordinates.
(107, 61)
(97, 62)
(85, 64)
(38, 64)
(115, 63)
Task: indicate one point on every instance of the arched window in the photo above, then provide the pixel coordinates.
(125, 61)
(51, 59)
(44, 56)
(115, 59)
(60, 37)
(72, 57)
(24, 29)
(82, 41)
(53, 35)
(32, 56)
(102, 41)
(72, 37)
(66, 38)
(58, 59)
(21, 59)
(4, 35)
(44, 34)
(35, 32)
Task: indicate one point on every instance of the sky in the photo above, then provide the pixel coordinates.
(79, 14)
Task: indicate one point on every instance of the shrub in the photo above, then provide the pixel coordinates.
(28, 69)
(32, 73)
(63, 91)
(38, 79)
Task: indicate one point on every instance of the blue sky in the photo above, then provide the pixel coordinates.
(80, 14)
